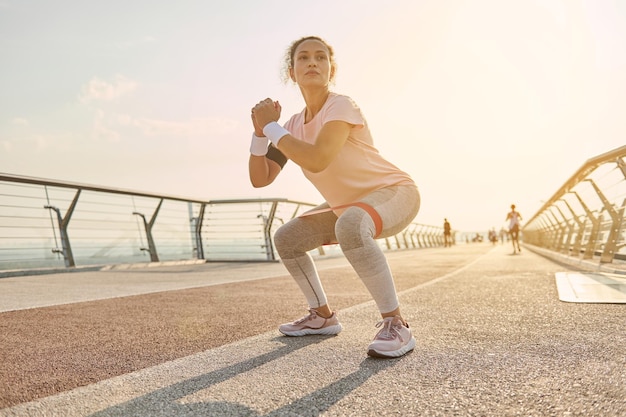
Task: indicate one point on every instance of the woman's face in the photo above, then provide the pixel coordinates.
(311, 64)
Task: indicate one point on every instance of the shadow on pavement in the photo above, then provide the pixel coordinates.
(163, 402)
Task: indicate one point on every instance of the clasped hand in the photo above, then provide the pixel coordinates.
(264, 112)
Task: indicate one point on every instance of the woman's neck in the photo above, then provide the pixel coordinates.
(314, 100)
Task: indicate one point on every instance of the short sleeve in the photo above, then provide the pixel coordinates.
(345, 109)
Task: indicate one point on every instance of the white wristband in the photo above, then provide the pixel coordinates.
(258, 146)
(275, 132)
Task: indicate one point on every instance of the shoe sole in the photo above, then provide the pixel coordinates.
(325, 331)
(395, 353)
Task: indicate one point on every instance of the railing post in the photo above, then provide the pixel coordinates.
(546, 232)
(422, 238)
(567, 225)
(267, 232)
(418, 236)
(406, 241)
(154, 257)
(553, 230)
(595, 227)
(412, 237)
(64, 222)
(581, 227)
(590, 248)
(611, 245)
(611, 242)
(558, 240)
(578, 242)
(198, 232)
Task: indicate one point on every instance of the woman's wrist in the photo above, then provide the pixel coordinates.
(258, 145)
(275, 132)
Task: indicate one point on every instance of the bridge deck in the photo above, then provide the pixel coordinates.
(200, 339)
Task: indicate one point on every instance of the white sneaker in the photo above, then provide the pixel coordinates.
(312, 323)
(393, 340)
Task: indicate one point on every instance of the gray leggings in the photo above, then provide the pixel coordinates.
(354, 230)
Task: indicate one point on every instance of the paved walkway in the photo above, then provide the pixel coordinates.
(493, 340)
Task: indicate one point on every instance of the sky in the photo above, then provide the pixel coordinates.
(485, 103)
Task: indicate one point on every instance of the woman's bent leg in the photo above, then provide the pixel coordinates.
(294, 239)
(355, 230)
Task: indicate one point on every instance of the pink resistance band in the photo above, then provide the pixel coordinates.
(378, 222)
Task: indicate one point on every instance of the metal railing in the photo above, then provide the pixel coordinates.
(47, 223)
(585, 217)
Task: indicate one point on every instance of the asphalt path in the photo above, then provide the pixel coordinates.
(493, 339)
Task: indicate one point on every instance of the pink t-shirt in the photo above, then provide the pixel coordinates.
(358, 169)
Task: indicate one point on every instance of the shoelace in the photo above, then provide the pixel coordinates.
(388, 332)
(312, 314)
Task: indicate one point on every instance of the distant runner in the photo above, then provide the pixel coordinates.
(447, 233)
(514, 219)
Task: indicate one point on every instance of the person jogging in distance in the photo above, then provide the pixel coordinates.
(447, 233)
(367, 197)
(514, 219)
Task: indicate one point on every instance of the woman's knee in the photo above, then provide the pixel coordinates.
(282, 239)
(295, 238)
(351, 229)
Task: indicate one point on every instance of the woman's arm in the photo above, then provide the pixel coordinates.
(263, 171)
(316, 157)
(312, 157)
